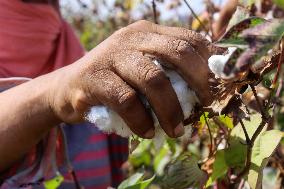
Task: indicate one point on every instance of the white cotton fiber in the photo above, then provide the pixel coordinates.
(217, 63)
(110, 122)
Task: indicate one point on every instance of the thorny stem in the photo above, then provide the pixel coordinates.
(154, 7)
(210, 135)
(196, 17)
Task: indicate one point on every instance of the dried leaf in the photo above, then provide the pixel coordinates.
(233, 36)
(240, 14)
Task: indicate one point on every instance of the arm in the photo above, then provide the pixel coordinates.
(25, 118)
(111, 74)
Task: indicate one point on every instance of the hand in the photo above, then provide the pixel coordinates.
(118, 69)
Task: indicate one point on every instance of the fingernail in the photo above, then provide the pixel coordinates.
(179, 130)
(150, 133)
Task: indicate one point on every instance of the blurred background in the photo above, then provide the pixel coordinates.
(94, 20)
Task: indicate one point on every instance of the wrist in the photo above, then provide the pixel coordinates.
(67, 97)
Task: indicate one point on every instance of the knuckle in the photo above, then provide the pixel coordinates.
(180, 46)
(154, 77)
(141, 23)
(126, 31)
(126, 99)
(198, 39)
(79, 103)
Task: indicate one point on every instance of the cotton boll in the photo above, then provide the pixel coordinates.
(217, 63)
(110, 122)
(186, 97)
(100, 116)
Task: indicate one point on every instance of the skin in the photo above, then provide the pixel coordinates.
(112, 74)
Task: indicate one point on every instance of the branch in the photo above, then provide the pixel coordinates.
(196, 17)
(210, 135)
(279, 65)
(248, 141)
(264, 121)
(259, 105)
(154, 7)
(264, 113)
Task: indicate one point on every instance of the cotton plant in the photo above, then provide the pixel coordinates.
(109, 121)
(255, 47)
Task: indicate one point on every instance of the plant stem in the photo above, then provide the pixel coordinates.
(264, 121)
(196, 17)
(248, 141)
(210, 135)
(259, 105)
(154, 7)
(279, 65)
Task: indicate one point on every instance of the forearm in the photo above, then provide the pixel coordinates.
(25, 118)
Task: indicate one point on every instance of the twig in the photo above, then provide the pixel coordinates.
(279, 89)
(275, 79)
(279, 65)
(210, 135)
(154, 7)
(196, 17)
(264, 121)
(241, 185)
(248, 141)
(265, 118)
(260, 107)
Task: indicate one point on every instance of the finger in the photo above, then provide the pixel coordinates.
(113, 92)
(143, 74)
(192, 67)
(204, 47)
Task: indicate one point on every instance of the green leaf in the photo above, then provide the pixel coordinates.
(161, 160)
(141, 155)
(231, 157)
(233, 36)
(260, 40)
(250, 125)
(240, 14)
(134, 179)
(228, 122)
(202, 118)
(263, 148)
(279, 3)
(142, 184)
(183, 172)
(247, 3)
(235, 155)
(172, 144)
(53, 183)
(265, 35)
(220, 167)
